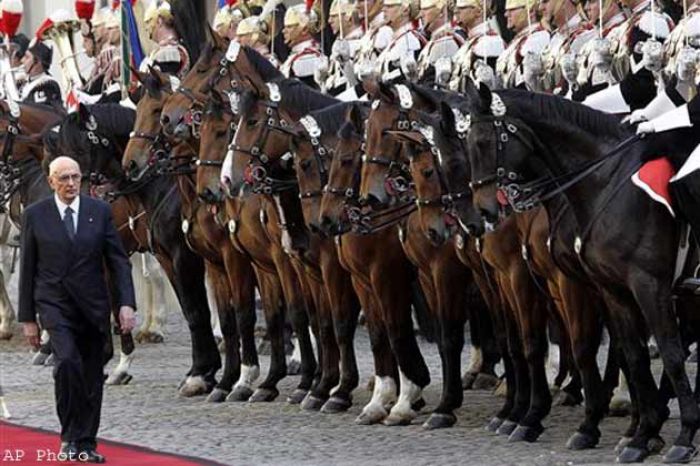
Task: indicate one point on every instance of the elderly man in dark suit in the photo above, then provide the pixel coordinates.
(66, 241)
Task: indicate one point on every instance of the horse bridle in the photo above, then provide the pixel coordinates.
(321, 153)
(260, 180)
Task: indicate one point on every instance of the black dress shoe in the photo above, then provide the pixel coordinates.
(68, 452)
(90, 455)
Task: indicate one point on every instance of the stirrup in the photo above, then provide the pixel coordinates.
(691, 284)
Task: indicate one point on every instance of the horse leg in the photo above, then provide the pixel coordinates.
(449, 283)
(345, 308)
(160, 296)
(186, 273)
(413, 372)
(7, 313)
(532, 317)
(241, 277)
(584, 331)
(329, 352)
(654, 298)
(481, 329)
(222, 292)
(273, 306)
(385, 367)
(643, 390)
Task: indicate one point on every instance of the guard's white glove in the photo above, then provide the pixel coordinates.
(646, 127)
(653, 55)
(341, 50)
(321, 71)
(483, 73)
(569, 67)
(637, 116)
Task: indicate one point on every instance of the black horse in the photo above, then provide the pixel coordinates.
(530, 148)
(96, 137)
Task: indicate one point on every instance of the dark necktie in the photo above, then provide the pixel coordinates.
(68, 222)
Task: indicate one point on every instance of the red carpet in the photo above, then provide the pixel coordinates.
(21, 445)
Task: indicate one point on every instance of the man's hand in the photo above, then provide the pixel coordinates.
(127, 319)
(31, 333)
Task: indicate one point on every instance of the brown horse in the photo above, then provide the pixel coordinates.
(253, 226)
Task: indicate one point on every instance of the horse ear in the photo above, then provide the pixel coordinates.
(83, 113)
(471, 91)
(447, 120)
(355, 118)
(141, 77)
(386, 91)
(485, 94)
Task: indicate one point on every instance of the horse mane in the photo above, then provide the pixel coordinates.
(330, 119)
(301, 98)
(551, 109)
(113, 119)
(262, 65)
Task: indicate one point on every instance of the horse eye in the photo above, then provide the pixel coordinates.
(252, 122)
(220, 134)
(428, 172)
(305, 164)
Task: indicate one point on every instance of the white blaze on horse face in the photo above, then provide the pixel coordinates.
(227, 166)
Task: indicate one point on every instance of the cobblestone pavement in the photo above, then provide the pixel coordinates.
(148, 412)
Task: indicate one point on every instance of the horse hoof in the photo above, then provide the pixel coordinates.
(622, 443)
(217, 395)
(297, 396)
(620, 407)
(240, 393)
(565, 398)
(312, 403)
(370, 417)
(526, 434)
(397, 420)
(121, 378)
(418, 404)
(486, 382)
(655, 445)
(294, 367)
(336, 405)
(194, 387)
(632, 455)
(501, 389)
(581, 441)
(680, 454)
(440, 421)
(468, 380)
(39, 358)
(494, 424)
(507, 427)
(263, 395)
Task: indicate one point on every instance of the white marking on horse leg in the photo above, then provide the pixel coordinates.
(4, 412)
(296, 353)
(194, 385)
(553, 361)
(249, 374)
(621, 396)
(476, 360)
(410, 393)
(383, 397)
(121, 369)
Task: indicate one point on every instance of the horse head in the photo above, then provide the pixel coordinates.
(147, 147)
(181, 111)
(341, 192)
(218, 127)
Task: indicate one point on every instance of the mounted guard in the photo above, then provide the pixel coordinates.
(445, 39)
(476, 59)
(301, 22)
(398, 60)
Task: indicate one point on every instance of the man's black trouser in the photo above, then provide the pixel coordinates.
(78, 374)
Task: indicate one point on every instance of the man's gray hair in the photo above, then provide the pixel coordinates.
(61, 161)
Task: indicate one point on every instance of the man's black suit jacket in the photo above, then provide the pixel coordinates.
(63, 280)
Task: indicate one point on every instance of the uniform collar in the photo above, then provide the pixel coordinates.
(403, 29)
(307, 44)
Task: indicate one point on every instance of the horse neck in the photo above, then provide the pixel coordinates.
(566, 151)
